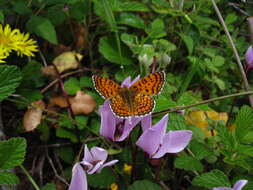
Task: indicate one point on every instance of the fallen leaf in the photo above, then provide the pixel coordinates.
(67, 60)
(49, 71)
(59, 101)
(33, 115)
(82, 103)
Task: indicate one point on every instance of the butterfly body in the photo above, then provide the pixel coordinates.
(133, 101)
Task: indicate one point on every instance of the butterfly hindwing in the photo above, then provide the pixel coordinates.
(152, 84)
(105, 87)
(143, 105)
(120, 107)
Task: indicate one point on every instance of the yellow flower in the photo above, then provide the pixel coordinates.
(200, 118)
(14, 40)
(127, 168)
(114, 186)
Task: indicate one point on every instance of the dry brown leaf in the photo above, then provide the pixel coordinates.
(59, 101)
(49, 71)
(67, 60)
(82, 103)
(33, 115)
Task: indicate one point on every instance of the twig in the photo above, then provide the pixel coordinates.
(202, 102)
(165, 187)
(54, 169)
(29, 177)
(66, 96)
(245, 80)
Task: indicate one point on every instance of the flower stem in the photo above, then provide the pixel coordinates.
(203, 102)
(29, 177)
(239, 63)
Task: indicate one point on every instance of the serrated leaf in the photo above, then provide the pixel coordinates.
(108, 47)
(215, 178)
(12, 152)
(199, 150)
(144, 185)
(10, 78)
(244, 122)
(42, 27)
(49, 187)
(188, 163)
(101, 180)
(71, 86)
(8, 178)
(226, 136)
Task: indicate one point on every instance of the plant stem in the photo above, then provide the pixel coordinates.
(239, 63)
(29, 177)
(203, 102)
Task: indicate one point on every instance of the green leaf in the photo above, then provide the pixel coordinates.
(101, 180)
(131, 20)
(188, 163)
(49, 187)
(144, 185)
(12, 152)
(32, 75)
(226, 136)
(157, 29)
(20, 7)
(1, 16)
(72, 85)
(132, 6)
(188, 42)
(66, 154)
(86, 81)
(42, 27)
(215, 178)
(230, 18)
(64, 133)
(8, 178)
(244, 122)
(10, 77)
(199, 150)
(78, 10)
(81, 121)
(245, 149)
(109, 49)
(56, 16)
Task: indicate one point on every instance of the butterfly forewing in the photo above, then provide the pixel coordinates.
(151, 84)
(105, 87)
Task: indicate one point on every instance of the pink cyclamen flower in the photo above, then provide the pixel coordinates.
(249, 58)
(156, 142)
(93, 162)
(237, 186)
(113, 127)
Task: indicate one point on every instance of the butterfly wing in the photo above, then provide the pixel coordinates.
(152, 84)
(143, 105)
(120, 107)
(105, 87)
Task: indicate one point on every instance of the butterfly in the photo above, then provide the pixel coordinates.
(133, 101)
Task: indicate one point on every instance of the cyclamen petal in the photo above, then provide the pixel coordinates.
(152, 138)
(99, 153)
(240, 184)
(78, 180)
(174, 142)
(156, 142)
(237, 186)
(249, 55)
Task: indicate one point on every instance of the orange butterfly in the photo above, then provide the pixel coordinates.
(133, 101)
